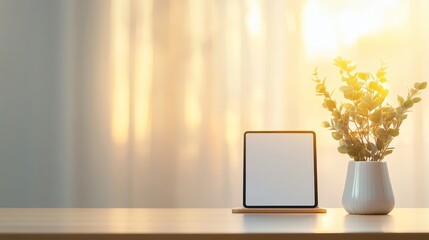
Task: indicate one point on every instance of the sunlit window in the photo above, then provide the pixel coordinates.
(330, 25)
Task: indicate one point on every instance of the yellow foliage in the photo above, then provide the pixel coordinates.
(365, 125)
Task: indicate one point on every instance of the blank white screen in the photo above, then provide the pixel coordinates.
(280, 169)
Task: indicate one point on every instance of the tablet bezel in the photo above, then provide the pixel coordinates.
(314, 164)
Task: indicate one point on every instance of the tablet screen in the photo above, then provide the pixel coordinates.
(280, 169)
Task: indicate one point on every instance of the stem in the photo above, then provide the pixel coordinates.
(359, 132)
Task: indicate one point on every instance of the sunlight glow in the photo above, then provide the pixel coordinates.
(233, 84)
(329, 25)
(253, 17)
(255, 65)
(196, 66)
(119, 67)
(143, 70)
(319, 32)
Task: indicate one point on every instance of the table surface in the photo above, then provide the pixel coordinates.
(120, 222)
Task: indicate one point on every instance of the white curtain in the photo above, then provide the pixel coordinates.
(166, 92)
(144, 102)
(163, 91)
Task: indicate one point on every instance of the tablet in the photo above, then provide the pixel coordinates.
(280, 169)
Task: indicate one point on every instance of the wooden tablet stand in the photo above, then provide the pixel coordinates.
(279, 210)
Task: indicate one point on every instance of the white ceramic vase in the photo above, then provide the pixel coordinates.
(368, 189)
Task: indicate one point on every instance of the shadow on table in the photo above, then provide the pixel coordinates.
(371, 223)
(279, 222)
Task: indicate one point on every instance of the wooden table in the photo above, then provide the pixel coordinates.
(176, 223)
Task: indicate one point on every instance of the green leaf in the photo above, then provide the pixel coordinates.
(336, 114)
(400, 100)
(389, 115)
(381, 73)
(380, 144)
(378, 100)
(422, 85)
(357, 86)
(346, 89)
(368, 98)
(416, 99)
(363, 106)
(373, 86)
(320, 88)
(330, 104)
(400, 110)
(353, 152)
(325, 124)
(372, 148)
(342, 149)
(363, 76)
(363, 109)
(381, 132)
(375, 117)
(403, 117)
(339, 126)
(337, 136)
(387, 152)
(349, 95)
(348, 106)
(408, 104)
(393, 132)
(356, 96)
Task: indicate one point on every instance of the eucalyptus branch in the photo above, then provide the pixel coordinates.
(375, 122)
